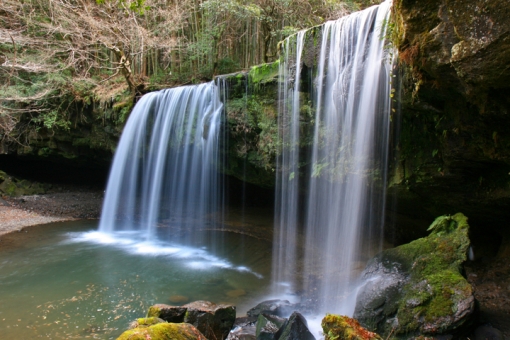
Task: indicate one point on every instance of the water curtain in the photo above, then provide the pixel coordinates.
(165, 167)
(334, 122)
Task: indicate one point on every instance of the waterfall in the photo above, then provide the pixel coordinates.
(165, 166)
(334, 123)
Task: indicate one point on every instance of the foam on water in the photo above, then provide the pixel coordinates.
(194, 258)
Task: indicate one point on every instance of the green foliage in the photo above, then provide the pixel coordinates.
(442, 224)
(122, 107)
(137, 6)
(228, 65)
(52, 120)
(253, 124)
(234, 8)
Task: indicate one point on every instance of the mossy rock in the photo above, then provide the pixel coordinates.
(145, 322)
(265, 73)
(164, 331)
(418, 288)
(345, 328)
(14, 187)
(166, 312)
(214, 321)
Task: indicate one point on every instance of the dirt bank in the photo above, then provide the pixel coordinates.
(60, 204)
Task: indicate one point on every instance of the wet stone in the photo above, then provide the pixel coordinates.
(277, 307)
(296, 329)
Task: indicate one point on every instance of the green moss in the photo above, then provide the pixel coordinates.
(435, 264)
(81, 141)
(154, 311)
(344, 328)
(163, 331)
(44, 152)
(15, 187)
(264, 73)
(148, 321)
(122, 107)
(9, 188)
(253, 138)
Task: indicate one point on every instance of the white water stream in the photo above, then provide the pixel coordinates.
(164, 170)
(331, 191)
(334, 122)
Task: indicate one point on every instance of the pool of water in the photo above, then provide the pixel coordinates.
(68, 281)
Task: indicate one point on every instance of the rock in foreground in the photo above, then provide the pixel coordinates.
(164, 331)
(345, 328)
(214, 321)
(296, 329)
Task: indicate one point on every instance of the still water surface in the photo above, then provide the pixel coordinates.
(67, 281)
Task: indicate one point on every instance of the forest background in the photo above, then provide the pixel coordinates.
(59, 55)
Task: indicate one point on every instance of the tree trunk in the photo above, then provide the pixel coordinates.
(125, 67)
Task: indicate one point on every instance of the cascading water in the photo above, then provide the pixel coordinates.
(331, 182)
(164, 170)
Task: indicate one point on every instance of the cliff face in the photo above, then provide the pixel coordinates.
(89, 139)
(454, 150)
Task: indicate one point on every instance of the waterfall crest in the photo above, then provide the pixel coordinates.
(330, 193)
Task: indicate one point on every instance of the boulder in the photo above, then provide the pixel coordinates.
(418, 288)
(269, 327)
(345, 328)
(214, 321)
(296, 329)
(277, 307)
(244, 329)
(163, 331)
(168, 313)
(487, 332)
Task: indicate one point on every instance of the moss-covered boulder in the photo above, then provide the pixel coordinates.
(418, 288)
(15, 187)
(167, 312)
(345, 328)
(163, 331)
(214, 321)
(145, 322)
